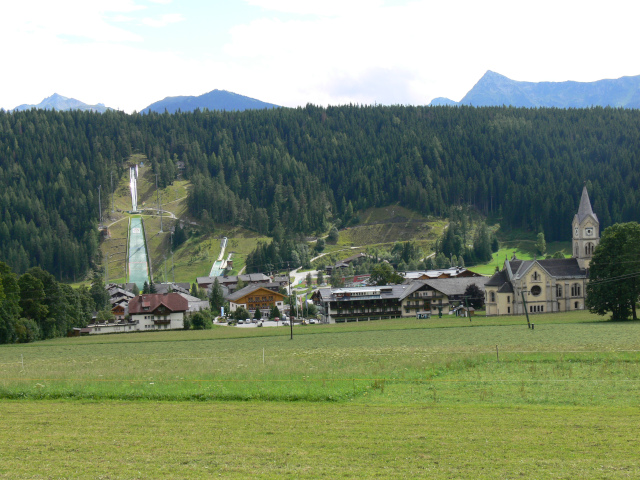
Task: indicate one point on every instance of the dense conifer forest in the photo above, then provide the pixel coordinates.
(299, 170)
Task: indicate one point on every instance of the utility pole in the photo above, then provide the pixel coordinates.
(100, 204)
(173, 272)
(158, 201)
(111, 191)
(290, 318)
(524, 302)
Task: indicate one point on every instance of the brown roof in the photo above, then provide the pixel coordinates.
(148, 303)
(248, 290)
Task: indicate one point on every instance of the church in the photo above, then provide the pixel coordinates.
(552, 285)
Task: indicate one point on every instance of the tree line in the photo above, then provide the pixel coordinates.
(34, 306)
(295, 172)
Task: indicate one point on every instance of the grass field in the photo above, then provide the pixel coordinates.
(382, 227)
(443, 398)
(523, 250)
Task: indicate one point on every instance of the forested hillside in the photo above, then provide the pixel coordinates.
(298, 170)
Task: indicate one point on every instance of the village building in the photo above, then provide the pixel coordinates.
(453, 272)
(253, 297)
(344, 264)
(158, 311)
(419, 299)
(551, 285)
(439, 296)
(231, 282)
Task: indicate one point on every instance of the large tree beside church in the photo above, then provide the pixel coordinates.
(614, 272)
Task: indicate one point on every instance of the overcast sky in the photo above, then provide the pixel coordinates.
(130, 53)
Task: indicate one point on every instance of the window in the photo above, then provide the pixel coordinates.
(575, 290)
(493, 296)
(589, 248)
(536, 290)
(508, 299)
(559, 291)
(508, 309)
(577, 305)
(535, 277)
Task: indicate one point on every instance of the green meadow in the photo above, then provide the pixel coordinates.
(442, 398)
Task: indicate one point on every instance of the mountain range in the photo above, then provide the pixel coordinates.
(214, 100)
(494, 89)
(58, 102)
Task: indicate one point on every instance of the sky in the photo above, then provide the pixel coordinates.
(128, 54)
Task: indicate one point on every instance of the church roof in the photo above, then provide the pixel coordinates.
(500, 279)
(563, 267)
(497, 279)
(585, 210)
(556, 267)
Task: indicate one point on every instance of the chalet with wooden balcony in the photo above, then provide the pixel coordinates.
(438, 296)
(254, 297)
(158, 311)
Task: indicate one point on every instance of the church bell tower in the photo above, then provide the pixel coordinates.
(586, 231)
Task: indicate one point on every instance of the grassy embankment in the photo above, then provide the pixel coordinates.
(380, 228)
(374, 399)
(523, 249)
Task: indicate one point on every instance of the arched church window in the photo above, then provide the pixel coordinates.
(535, 277)
(575, 290)
(493, 296)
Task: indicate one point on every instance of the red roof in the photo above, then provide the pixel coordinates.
(149, 303)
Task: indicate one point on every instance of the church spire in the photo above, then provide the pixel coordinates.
(585, 206)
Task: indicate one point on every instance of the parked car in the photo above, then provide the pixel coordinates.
(285, 324)
(240, 322)
(313, 321)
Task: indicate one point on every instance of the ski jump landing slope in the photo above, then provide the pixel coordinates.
(138, 264)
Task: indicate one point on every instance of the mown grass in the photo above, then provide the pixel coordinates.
(275, 440)
(340, 362)
(122, 440)
(386, 399)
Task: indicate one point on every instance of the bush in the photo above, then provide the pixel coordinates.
(201, 320)
(27, 330)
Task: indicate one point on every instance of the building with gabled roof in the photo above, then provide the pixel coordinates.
(453, 272)
(253, 297)
(550, 285)
(155, 311)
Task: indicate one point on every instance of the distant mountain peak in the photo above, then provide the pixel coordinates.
(494, 89)
(62, 103)
(213, 100)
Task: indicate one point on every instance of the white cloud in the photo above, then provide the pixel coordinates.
(163, 20)
(316, 7)
(424, 49)
(295, 52)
